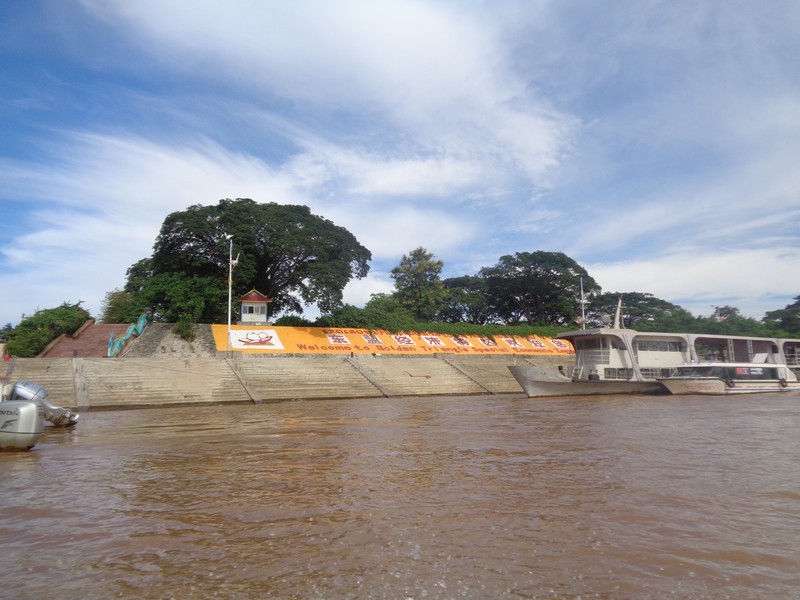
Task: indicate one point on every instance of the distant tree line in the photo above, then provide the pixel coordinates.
(542, 291)
(298, 259)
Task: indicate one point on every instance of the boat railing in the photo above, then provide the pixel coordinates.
(595, 357)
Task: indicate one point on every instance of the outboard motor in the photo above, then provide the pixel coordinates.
(21, 424)
(33, 392)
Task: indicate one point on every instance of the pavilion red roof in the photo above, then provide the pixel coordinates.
(254, 296)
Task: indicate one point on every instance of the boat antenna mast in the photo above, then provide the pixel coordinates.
(581, 320)
(618, 316)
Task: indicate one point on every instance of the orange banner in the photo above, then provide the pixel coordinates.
(323, 340)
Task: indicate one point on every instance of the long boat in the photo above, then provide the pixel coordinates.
(731, 378)
(615, 360)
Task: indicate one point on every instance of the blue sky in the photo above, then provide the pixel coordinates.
(657, 143)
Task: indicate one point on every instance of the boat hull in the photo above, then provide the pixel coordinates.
(21, 424)
(543, 382)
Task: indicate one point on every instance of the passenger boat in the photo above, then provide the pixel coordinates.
(615, 360)
(731, 378)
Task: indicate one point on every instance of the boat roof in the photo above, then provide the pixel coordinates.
(692, 337)
(720, 363)
(618, 332)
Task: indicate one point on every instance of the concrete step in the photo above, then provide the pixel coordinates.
(154, 381)
(54, 374)
(275, 378)
(402, 376)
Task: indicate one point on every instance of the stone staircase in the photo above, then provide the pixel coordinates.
(412, 376)
(491, 372)
(137, 382)
(272, 378)
(90, 340)
(54, 374)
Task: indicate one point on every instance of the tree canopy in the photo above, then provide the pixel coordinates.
(637, 308)
(537, 287)
(417, 283)
(787, 319)
(467, 301)
(289, 254)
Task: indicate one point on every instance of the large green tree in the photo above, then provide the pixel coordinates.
(537, 287)
(637, 308)
(383, 311)
(466, 301)
(418, 286)
(286, 252)
(120, 306)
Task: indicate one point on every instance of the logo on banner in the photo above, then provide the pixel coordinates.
(256, 338)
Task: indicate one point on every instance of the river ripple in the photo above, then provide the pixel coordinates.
(470, 497)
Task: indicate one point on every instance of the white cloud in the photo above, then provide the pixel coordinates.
(359, 291)
(755, 281)
(656, 143)
(425, 71)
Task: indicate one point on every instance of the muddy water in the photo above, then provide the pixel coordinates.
(478, 497)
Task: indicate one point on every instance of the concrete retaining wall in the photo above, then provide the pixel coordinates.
(104, 383)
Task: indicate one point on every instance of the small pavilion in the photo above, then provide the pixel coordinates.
(253, 308)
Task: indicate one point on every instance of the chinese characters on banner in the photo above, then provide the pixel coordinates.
(316, 340)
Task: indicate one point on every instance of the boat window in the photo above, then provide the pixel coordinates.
(611, 373)
(660, 346)
(653, 372)
(617, 344)
(588, 344)
(792, 352)
(755, 373)
(723, 372)
(693, 371)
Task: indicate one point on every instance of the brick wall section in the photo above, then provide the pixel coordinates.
(89, 341)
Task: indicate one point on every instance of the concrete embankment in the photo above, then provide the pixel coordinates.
(162, 369)
(132, 382)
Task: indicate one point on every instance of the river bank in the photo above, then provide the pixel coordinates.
(161, 368)
(183, 379)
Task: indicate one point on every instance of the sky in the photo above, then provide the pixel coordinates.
(656, 143)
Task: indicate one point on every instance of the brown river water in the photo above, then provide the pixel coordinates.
(457, 497)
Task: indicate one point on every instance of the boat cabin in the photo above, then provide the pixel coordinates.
(733, 372)
(625, 354)
(614, 353)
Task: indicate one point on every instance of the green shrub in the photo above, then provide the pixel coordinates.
(34, 333)
(185, 329)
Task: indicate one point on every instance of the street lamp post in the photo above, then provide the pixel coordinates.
(230, 285)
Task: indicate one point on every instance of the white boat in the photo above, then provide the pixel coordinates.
(731, 378)
(541, 382)
(615, 360)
